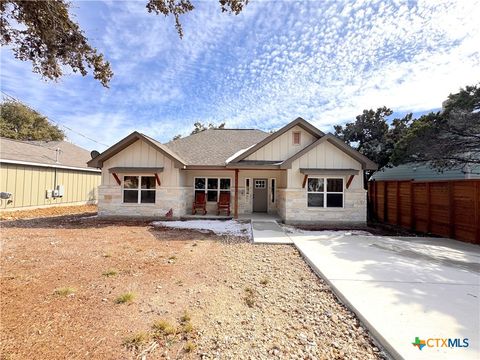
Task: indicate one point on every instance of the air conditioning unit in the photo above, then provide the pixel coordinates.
(60, 190)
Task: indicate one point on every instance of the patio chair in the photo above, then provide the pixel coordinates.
(223, 203)
(200, 203)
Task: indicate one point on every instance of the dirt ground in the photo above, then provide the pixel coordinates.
(218, 296)
(47, 212)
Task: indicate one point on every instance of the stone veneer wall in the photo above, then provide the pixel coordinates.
(177, 198)
(296, 210)
(282, 203)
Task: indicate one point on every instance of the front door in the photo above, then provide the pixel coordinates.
(260, 193)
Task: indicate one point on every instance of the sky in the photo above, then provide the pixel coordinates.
(325, 61)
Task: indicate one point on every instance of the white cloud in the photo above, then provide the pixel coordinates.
(324, 61)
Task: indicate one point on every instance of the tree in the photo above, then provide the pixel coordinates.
(49, 39)
(180, 7)
(42, 31)
(19, 122)
(368, 134)
(199, 127)
(449, 139)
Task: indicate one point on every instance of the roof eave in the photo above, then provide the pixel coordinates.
(97, 162)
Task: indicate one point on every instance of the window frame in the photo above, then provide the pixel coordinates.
(325, 192)
(299, 138)
(273, 190)
(139, 190)
(247, 186)
(218, 189)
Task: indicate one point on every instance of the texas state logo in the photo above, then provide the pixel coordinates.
(440, 342)
(419, 343)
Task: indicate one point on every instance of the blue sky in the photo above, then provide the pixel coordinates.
(325, 61)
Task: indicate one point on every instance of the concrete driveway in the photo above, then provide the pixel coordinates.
(404, 288)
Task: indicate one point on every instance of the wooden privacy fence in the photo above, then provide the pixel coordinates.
(448, 208)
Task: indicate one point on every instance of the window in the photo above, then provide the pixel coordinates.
(139, 189)
(212, 186)
(260, 184)
(272, 189)
(296, 137)
(319, 195)
(247, 187)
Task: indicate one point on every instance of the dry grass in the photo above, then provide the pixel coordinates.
(65, 291)
(110, 272)
(136, 341)
(125, 298)
(249, 297)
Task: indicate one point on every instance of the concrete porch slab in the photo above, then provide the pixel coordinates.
(269, 232)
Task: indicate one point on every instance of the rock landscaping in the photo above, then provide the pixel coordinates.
(185, 295)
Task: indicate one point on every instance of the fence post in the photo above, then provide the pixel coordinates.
(451, 210)
(385, 203)
(429, 218)
(399, 208)
(412, 207)
(477, 209)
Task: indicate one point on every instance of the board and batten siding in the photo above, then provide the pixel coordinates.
(29, 185)
(169, 194)
(141, 154)
(282, 147)
(293, 201)
(324, 156)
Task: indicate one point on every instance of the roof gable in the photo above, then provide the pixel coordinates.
(367, 164)
(129, 140)
(297, 122)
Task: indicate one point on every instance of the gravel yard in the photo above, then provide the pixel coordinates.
(86, 288)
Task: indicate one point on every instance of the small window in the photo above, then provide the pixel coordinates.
(272, 189)
(296, 137)
(319, 196)
(247, 187)
(139, 189)
(260, 184)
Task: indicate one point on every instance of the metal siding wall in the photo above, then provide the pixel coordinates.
(29, 184)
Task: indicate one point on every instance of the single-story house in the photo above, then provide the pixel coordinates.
(45, 173)
(298, 172)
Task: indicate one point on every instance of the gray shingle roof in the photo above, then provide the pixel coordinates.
(43, 152)
(214, 146)
(423, 172)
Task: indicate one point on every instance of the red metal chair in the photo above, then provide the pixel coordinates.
(223, 203)
(200, 202)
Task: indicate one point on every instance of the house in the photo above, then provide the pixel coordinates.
(298, 172)
(41, 174)
(424, 172)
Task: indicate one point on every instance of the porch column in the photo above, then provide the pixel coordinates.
(235, 209)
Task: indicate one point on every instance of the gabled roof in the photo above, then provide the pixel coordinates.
(129, 140)
(367, 164)
(305, 125)
(213, 147)
(44, 153)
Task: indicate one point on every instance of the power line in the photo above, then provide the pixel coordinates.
(10, 97)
